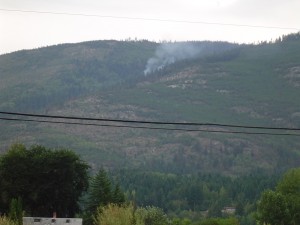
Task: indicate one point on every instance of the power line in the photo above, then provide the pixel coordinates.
(150, 19)
(148, 122)
(149, 128)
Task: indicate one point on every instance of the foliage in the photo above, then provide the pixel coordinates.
(175, 193)
(220, 221)
(118, 196)
(289, 186)
(211, 192)
(283, 205)
(101, 192)
(178, 221)
(151, 216)
(215, 210)
(16, 211)
(47, 180)
(6, 221)
(113, 214)
(273, 209)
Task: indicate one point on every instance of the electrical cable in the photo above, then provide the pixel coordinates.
(149, 128)
(148, 122)
(145, 127)
(149, 19)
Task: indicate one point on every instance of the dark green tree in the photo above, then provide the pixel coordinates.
(47, 180)
(118, 196)
(194, 196)
(283, 205)
(16, 211)
(272, 209)
(215, 210)
(100, 194)
(289, 186)
(239, 209)
(100, 191)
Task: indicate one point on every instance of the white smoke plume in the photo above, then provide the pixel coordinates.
(168, 53)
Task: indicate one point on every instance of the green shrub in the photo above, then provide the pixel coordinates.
(113, 214)
(6, 221)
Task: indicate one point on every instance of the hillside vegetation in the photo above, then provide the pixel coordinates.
(214, 82)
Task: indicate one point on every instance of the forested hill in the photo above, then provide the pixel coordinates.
(203, 82)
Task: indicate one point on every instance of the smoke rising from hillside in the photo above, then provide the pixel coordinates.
(168, 53)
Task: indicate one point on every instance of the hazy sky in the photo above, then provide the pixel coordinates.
(24, 30)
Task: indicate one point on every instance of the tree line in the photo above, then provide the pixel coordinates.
(38, 181)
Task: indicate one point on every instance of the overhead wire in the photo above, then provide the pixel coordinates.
(149, 19)
(150, 128)
(141, 127)
(148, 122)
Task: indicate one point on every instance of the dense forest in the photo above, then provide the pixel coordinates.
(39, 181)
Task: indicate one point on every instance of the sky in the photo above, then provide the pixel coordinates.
(28, 24)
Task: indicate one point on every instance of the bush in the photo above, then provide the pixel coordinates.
(151, 216)
(113, 214)
(6, 221)
(220, 221)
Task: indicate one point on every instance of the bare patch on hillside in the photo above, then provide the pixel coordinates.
(293, 76)
(248, 111)
(187, 73)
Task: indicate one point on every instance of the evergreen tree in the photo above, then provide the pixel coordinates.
(215, 210)
(118, 196)
(100, 192)
(16, 211)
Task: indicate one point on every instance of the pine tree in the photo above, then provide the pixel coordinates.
(118, 195)
(16, 211)
(100, 193)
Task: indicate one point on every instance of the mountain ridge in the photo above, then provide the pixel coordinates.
(235, 84)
